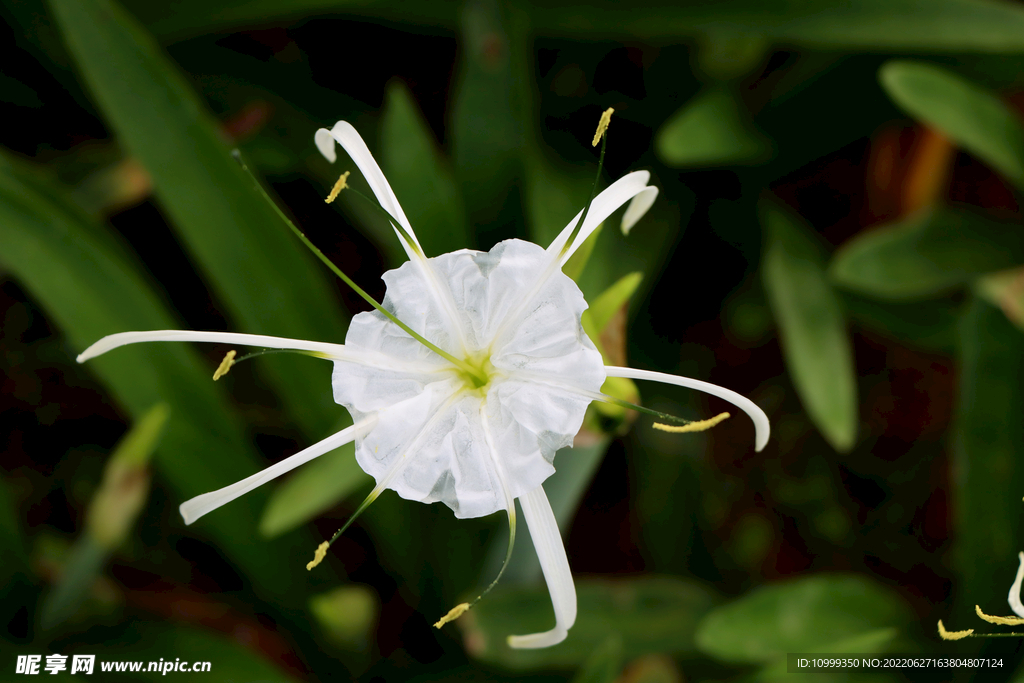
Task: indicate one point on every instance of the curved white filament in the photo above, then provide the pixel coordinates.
(193, 509)
(327, 350)
(613, 196)
(1014, 597)
(638, 206)
(551, 552)
(348, 137)
(351, 142)
(762, 428)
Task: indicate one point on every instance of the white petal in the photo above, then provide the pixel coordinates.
(548, 542)
(614, 196)
(638, 206)
(193, 509)
(325, 143)
(367, 358)
(113, 341)
(1014, 597)
(350, 140)
(761, 427)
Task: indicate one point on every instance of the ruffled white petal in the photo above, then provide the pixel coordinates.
(551, 552)
(193, 509)
(761, 427)
(1014, 597)
(614, 196)
(350, 140)
(529, 421)
(638, 206)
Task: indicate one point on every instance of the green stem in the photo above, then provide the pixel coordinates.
(593, 193)
(461, 364)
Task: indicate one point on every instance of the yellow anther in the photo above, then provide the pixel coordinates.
(1004, 621)
(338, 187)
(225, 365)
(953, 635)
(318, 556)
(701, 426)
(602, 126)
(453, 614)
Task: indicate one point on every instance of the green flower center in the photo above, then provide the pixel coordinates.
(477, 373)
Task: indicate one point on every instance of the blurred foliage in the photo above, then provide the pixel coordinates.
(838, 236)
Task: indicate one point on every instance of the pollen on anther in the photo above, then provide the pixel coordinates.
(338, 187)
(602, 126)
(225, 365)
(453, 614)
(701, 426)
(318, 555)
(953, 635)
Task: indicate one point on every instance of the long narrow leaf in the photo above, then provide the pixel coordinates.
(83, 279)
(258, 270)
(813, 332)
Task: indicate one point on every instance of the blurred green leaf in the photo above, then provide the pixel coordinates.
(927, 254)
(229, 661)
(604, 663)
(90, 288)
(258, 270)
(83, 563)
(419, 175)
(612, 299)
(968, 114)
(1004, 290)
(930, 325)
(125, 486)
(486, 135)
(803, 615)
(712, 129)
(812, 329)
(865, 643)
(988, 481)
(316, 487)
(964, 25)
(348, 613)
(649, 614)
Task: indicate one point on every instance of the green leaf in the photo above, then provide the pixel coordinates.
(1005, 290)
(812, 330)
(866, 643)
(604, 664)
(968, 114)
(927, 254)
(987, 451)
(90, 288)
(934, 25)
(799, 616)
(315, 488)
(577, 263)
(649, 613)
(486, 136)
(420, 176)
(930, 325)
(612, 299)
(259, 272)
(84, 562)
(348, 613)
(712, 129)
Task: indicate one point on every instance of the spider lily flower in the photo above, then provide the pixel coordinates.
(479, 372)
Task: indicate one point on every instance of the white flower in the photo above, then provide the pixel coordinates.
(476, 427)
